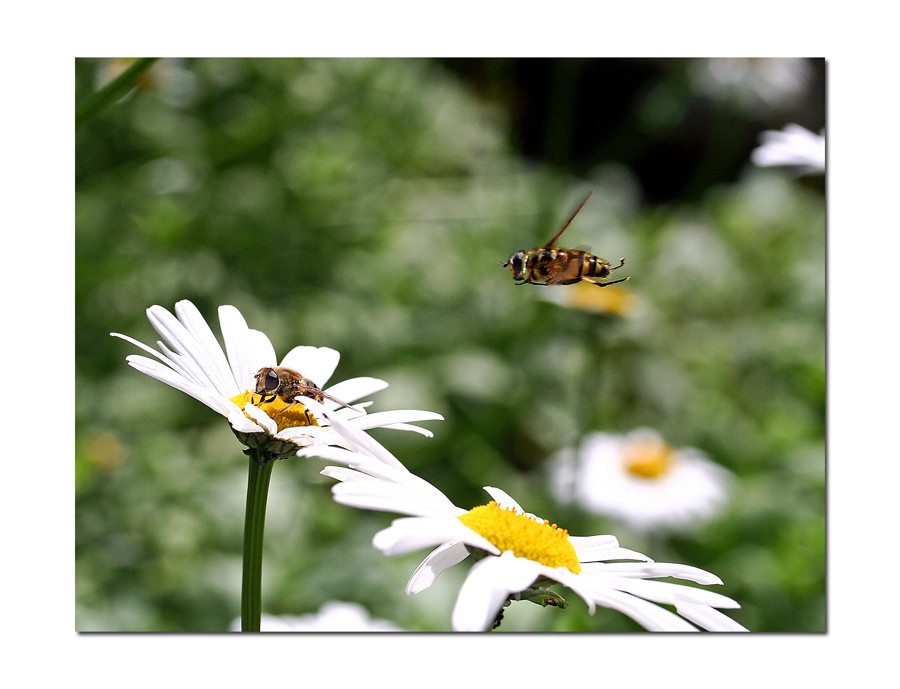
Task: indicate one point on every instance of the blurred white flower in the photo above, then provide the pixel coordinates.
(640, 480)
(167, 77)
(752, 83)
(613, 300)
(792, 146)
(191, 360)
(518, 554)
(333, 616)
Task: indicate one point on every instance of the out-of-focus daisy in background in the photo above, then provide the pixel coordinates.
(640, 480)
(758, 84)
(191, 360)
(613, 300)
(793, 146)
(519, 555)
(169, 79)
(333, 616)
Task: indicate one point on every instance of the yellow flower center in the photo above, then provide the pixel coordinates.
(297, 415)
(648, 458)
(535, 540)
(613, 300)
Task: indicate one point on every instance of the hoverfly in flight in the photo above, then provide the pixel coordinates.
(552, 265)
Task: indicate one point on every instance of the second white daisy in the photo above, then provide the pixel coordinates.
(519, 555)
(640, 480)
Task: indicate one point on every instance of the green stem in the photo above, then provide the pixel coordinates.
(254, 527)
(112, 91)
(591, 384)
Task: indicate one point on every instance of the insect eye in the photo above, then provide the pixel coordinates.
(272, 381)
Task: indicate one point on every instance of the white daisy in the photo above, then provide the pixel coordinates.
(191, 360)
(793, 146)
(583, 296)
(640, 480)
(519, 555)
(755, 84)
(333, 616)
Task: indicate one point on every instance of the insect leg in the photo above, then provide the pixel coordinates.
(621, 263)
(284, 409)
(605, 284)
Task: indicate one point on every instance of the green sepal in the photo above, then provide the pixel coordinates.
(541, 596)
(264, 448)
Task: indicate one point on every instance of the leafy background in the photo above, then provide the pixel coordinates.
(368, 206)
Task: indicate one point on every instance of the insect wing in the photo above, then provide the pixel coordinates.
(570, 218)
(315, 391)
(562, 270)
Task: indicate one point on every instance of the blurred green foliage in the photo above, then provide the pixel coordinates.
(368, 206)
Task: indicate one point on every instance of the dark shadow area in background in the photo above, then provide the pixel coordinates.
(577, 113)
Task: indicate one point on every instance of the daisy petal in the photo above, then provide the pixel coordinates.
(589, 542)
(443, 557)
(357, 439)
(165, 374)
(147, 349)
(503, 498)
(186, 366)
(235, 333)
(648, 615)
(331, 453)
(241, 423)
(397, 418)
(338, 473)
(486, 588)
(261, 418)
(709, 618)
(373, 494)
(171, 329)
(355, 388)
(220, 372)
(411, 533)
(668, 593)
(410, 427)
(316, 363)
(654, 569)
(371, 474)
(189, 355)
(600, 553)
(260, 353)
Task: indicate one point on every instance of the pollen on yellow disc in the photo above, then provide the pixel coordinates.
(296, 415)
(539, 541)
(648, 458)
